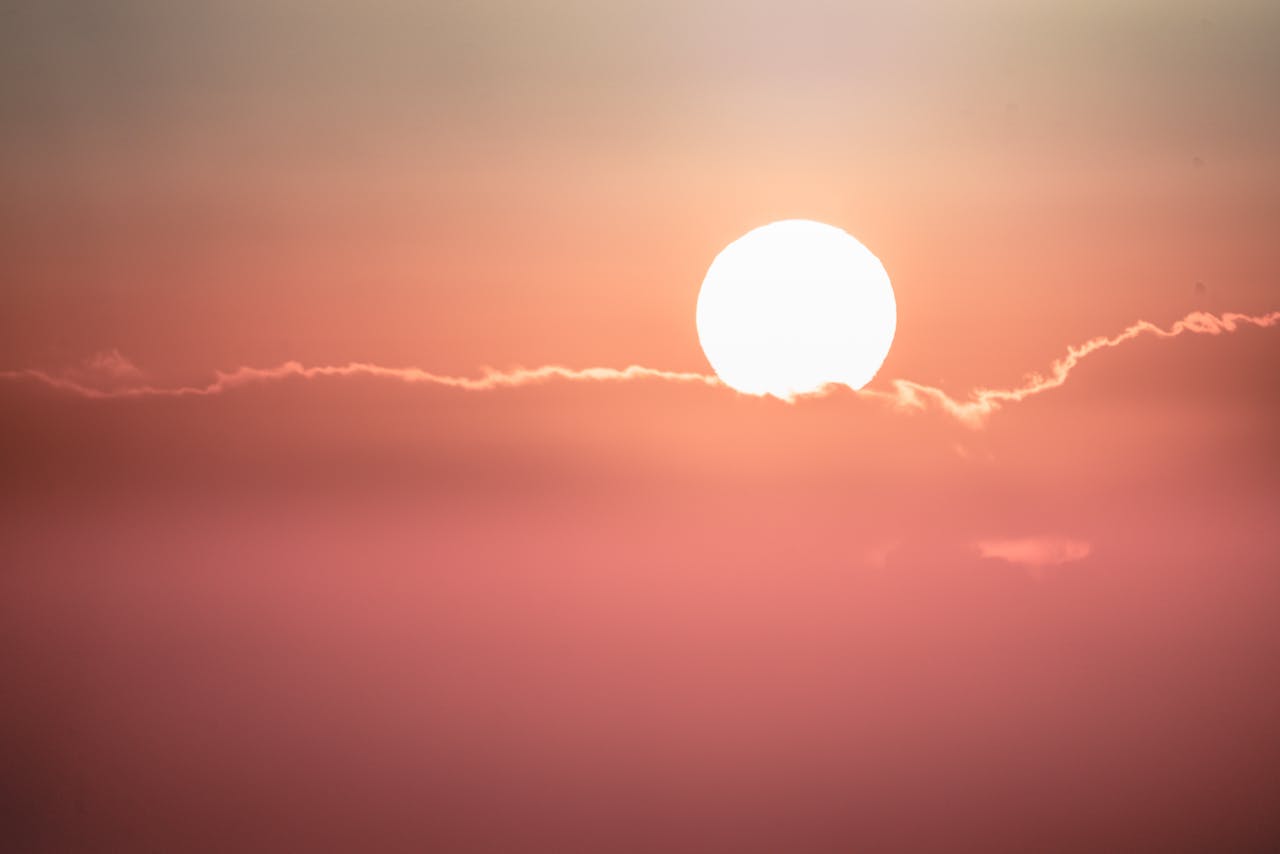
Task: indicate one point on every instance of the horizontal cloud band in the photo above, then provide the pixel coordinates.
(901, 394)
(491, 379)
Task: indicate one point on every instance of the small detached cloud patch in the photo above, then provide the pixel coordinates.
(1035, 552)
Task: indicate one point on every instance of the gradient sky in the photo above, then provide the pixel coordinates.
(354, 614)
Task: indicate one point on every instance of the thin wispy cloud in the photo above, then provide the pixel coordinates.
(982, 402)
(488, 381)
(877, 556)
(972, 410)
(113, 365)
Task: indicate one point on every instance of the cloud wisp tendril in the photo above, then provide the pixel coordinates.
(982, 402)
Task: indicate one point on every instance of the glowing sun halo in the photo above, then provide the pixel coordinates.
(793, 306)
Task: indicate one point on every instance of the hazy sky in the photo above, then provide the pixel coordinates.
(358, 614)
(212, 184)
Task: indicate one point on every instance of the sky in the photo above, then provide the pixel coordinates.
(363, 610)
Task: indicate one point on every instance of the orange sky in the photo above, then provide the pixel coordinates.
(348, 612)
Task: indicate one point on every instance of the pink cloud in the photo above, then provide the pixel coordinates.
(1035, 552)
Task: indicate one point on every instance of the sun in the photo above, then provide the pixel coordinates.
(793, 306)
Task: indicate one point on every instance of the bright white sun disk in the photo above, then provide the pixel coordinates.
(793, 306)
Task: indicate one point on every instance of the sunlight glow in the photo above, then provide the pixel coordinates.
(793, 306)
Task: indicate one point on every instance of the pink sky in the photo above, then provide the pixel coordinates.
(327, 609)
